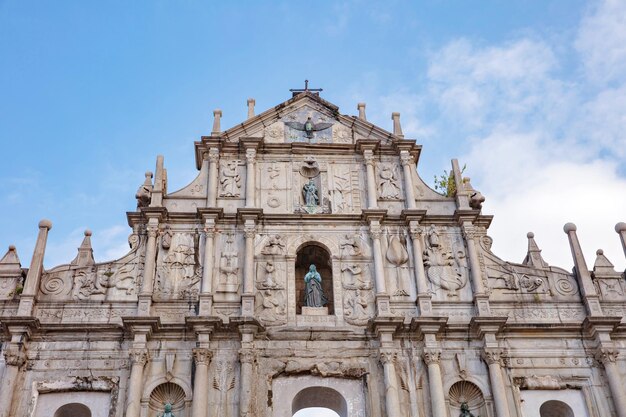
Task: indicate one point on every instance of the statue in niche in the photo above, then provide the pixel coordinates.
(356, 308)
(229, 267)
(167, 412)
(274, 246)
(388, 184)
(350, 246)
(443, 269)
(314, 294)
(398, 256)
(465, 412)
(309, 192)
(231, 180)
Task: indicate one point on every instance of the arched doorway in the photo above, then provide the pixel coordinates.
(73, 410)
(313, 253)
(316, 412)
(319, 397)
(555, 408)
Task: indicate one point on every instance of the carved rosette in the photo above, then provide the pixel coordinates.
(139, 356)
(202, 356)
(606, 355)
(432, 356)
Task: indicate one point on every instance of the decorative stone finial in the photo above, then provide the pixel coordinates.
(144, 193)
(361, 108)
(45, 224)
(397, 129)
(569, 227)
(533, 256)
(85, 252)
(620, 227)
(10, 258)
(217, 115)
(602, 267)
(251, 103)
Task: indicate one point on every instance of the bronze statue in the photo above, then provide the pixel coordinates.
(313, 294)
(465, 412)
(308, 127)
(309, 192)
(167, 412)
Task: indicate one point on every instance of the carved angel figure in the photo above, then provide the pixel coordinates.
(231, 180)
(388, 184)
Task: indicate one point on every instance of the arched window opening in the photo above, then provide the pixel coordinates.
(319, 402)
(316, 412)
(73, 410)
(313, 254)
(555, 408)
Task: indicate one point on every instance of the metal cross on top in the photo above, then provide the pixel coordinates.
(296, 91)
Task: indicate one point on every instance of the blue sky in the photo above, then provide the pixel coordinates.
(530, 95)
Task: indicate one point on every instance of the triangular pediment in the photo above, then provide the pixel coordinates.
(307, 118)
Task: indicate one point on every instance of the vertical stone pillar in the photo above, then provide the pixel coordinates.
(406, 160)
(31, 285)
(214, 162)
(206, 286)
(246, 358)
(250, 177)
(217, 117)
(480, 296)
(392, 398)
(587, 289)
(620, 228)
(372, 199)
(423, 297)
(382, 298)
(15, 357)
(608, 358)
(139, 358)
(145, 295)
(247, 307)
(432, 357)
(493, 358)
(202, 359)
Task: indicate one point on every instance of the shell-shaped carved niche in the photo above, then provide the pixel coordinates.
(466, 392)
(167, 393)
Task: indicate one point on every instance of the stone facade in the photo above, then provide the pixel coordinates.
(206, 310)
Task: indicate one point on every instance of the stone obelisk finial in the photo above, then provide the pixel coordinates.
(397, 128)
(251, 103)
(361, 108)
(217, 115)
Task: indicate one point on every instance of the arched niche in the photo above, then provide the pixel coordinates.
(73, 410)
(314, 253)
(323, 397)
(167, 393)
(466, 392)
(555, 408)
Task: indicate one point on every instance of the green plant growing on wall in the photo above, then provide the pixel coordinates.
(445, 184)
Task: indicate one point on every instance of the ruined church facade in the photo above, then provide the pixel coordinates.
(207, 312)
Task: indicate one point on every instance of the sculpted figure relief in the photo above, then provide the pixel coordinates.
(231, 180)
(313, 294)
(144, 193)
(443, 269)
(274, 246)
(350, 246)
(388, 185)
(357, 308)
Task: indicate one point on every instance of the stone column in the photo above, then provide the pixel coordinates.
(392, 399)
(480, 296)
(438, 406)
(200, 406)
(15, 357)
(608, 357)
(405, 158)
(31, 285)
(145, 295)
(425, 306)
(587, 289)
(214, 163)
(382, 298)
(372, 200)
(620, 228)
(138, 358)
(250, 177)
(247, 308)
(493, 358)
(246, 357)
(206, 286)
